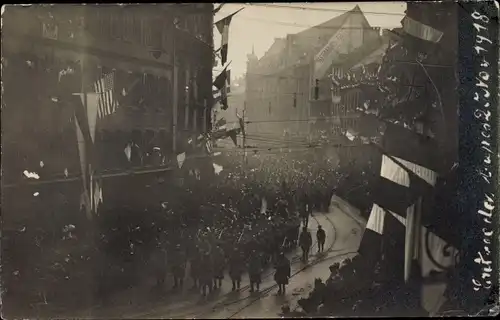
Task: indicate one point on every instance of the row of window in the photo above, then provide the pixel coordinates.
(131, 26)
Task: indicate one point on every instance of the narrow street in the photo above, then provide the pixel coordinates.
(341, 242)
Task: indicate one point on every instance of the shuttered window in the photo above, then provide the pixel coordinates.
(104, 23)
(137, 29)
(128, 26)
(116, 25)
(156, 33)
(146, 33)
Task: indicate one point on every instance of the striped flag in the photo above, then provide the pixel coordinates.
(209, 146)
(223, 27)
(104, 87)
(420, 30)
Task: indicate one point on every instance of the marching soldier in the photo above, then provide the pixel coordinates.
(160, 259)
(255, 270)
(320, 236)
(195, 267)
(305, 242)
(283, 272)
(219, 264)
(206, 273)
(236, 266)
(178, 267)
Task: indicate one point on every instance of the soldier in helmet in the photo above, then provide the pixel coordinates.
(219, 265)
(206, 273)
(255, 270)
(195, 267)
(236, 266)
(178, 266)
(160, 259)
(283, 272)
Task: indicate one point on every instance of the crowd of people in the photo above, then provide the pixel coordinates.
(240, 223)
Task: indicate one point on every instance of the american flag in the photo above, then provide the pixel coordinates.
(105, 88)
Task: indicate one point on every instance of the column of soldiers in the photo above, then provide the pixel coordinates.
(209, 258)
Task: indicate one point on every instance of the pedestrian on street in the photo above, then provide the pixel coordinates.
(236, 266)
(321, 237)
(219, 265)
(283, 272)
(305, 241)
(178, 266)
(306, 210)
(255, 270)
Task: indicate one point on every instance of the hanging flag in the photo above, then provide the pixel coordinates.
(220, 122)
(223, 100)
(392, 196)
(223, 27)
(393, 172)
(409, 145)
(218, 8)
(209, 146)
(128, 151)
(371, 242)
(263, 205)
(228, 81)
(232, 134)
(376, 220)
(91, 104)
(97, 195)
(221, 80)
(86, 204)
(105, 87)
(180, 159)
(420, 30)
(435, 255)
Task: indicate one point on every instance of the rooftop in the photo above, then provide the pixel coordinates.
(307, 43)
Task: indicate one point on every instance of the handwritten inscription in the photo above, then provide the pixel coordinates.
(482, 103)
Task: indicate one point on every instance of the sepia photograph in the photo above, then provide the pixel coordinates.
(249, 160)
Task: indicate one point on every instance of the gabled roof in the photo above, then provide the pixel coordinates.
(274, 52)
(310, 41)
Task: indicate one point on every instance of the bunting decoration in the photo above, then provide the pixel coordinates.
(420, 30)
(105, 88)
(223, 27)
(180, 159)
(216, 10)
(221, 80)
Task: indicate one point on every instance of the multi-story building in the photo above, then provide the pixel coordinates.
(280, 86)
(157, 60)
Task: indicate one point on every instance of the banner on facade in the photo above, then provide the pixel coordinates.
(324, 58)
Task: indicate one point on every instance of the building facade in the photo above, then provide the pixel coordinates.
(156, 63)
(280, 86)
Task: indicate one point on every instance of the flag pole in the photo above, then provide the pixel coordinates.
(231, 15)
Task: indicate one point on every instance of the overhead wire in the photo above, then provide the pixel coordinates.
(303, 8)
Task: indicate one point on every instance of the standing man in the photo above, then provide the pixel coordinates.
(195, 267)
(178, 266)
(283, 272)
(219, 264)
(206, 273)
(305, 242)
(236, 266)
(321, 236)
(305, 210)
(255, 270)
